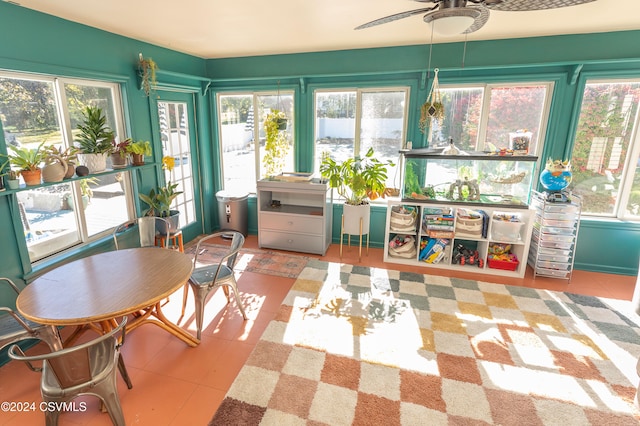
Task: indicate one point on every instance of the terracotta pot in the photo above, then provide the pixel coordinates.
(71, 170)
(31, 177)
(138, 159)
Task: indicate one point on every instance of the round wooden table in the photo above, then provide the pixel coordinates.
(100, 288)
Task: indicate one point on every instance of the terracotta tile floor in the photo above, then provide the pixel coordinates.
(177, 385)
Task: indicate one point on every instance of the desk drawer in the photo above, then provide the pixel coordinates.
(292, 223)
(291, 241)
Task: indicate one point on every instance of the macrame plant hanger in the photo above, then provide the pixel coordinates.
(432, 108)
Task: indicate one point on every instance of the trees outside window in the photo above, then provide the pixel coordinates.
(604, 160)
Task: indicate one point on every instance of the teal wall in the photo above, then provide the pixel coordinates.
(35, 42)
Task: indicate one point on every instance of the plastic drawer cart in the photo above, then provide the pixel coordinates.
(555, 232)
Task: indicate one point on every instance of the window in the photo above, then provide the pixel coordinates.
(604, 162)
(176, 143)
(48, 109)
(241, 117)
(479, 118)
(379, 114)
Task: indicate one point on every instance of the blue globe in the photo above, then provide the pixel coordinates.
(555, 181)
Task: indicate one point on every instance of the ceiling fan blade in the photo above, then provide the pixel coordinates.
(480, 20)
(395, 17)
(526, 5)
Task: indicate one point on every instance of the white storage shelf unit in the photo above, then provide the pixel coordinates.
(468, 232)
(294, 216)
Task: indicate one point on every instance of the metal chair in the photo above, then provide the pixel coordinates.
(15, 328)
(205, 279)
(148, 228)
(86, 369)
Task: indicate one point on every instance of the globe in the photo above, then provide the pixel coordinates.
(555, 181)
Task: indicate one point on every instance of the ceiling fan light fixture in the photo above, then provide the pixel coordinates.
(452, 21)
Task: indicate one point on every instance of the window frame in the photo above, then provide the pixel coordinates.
(483, 123)
(59, 97)
(633, 154)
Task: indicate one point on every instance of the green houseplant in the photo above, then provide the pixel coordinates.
(147, 69)
(94, 139)
(160, 199)
(276, 145)
(138, 150)
(120, 153)
(28, 161)
(357, 180)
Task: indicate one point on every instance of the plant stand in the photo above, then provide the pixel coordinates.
(362, 232)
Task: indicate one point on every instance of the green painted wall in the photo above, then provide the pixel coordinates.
(565, 60)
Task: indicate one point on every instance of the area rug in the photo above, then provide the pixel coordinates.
(355, 345)
(268, 262)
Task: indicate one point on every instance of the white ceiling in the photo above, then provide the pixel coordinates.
(219, 29)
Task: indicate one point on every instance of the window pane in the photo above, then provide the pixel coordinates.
(28, 112)
(236, 118)
(176, 143)
(603, 140)
(382, 128)
(512, 109)
(267, 103)
(461, 120)
(48, 219)
(335, 127)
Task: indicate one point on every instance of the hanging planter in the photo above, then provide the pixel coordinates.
(433, 107)
(147, 69)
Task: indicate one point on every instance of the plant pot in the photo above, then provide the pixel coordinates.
(71, 204)
(118, 161)
(32, 177)
(96, 163)
(13, 183)
(351, 216)
(71, 170)
(55, 171)
(174, 223)
(137, 159)
(282, 123)
(2, 187)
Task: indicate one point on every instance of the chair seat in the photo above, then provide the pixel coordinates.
(203, 276)
(10, 328)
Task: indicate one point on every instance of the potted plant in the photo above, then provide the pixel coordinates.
(94, 139)
(357, 180)
(86, 193)
(4, 171)
(147, 69)
(138, 150)
(120, 153)
(28, 161)
(13, 179)
(68, 155)
(160, 200)
(276, 144)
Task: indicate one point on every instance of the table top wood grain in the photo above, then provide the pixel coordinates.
(104, 286)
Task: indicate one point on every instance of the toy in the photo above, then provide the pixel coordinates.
(465, 256)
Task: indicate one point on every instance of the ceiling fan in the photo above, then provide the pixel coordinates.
(466, 16)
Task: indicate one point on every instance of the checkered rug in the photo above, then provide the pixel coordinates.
(356, 345)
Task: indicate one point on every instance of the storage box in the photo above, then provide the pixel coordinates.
(502, 264)
(468, 226)
(506, 231)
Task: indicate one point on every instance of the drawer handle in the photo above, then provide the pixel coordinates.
(290, 223)
(290, 241)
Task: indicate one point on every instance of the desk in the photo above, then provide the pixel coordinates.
(98, 289)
